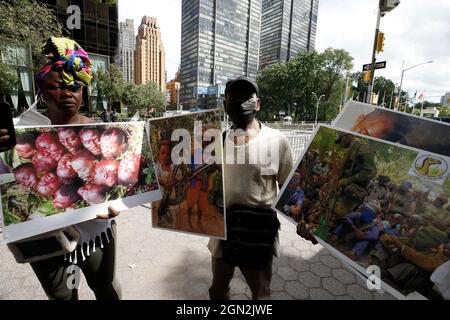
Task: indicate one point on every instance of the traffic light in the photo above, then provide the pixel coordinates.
(380, 42)
(367, 75)
(389, 5)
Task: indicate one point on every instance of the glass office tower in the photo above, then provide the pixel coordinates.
(219, 41)
(288, 27)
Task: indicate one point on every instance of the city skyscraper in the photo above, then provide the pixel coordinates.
(288, 27)
(127, 44)
(219, 41)
(150, 58)
(99, 38)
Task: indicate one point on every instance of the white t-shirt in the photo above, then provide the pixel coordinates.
(255, 182)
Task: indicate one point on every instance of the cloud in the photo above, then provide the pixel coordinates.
(416, 32)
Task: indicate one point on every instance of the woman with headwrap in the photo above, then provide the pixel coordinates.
(61, 83)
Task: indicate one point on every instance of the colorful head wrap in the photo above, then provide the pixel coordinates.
(68, 58)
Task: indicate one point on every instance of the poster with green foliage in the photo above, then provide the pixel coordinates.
(57, 176)
(374, 203)
(187, 150)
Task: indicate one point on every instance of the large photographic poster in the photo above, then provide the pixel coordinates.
(373, 202)
(187, 150)
(58, 176)
(417, 132)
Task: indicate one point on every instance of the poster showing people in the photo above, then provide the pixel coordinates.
(374, 203)
(187, 150)
(417, 132)
(58, 176)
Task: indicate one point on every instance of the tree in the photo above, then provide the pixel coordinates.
(9, 79)
(110, 83)
(28, 23)
(144, 98)
(385, 88)
(289, 85)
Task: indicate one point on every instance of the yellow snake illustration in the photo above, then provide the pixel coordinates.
(426, 165)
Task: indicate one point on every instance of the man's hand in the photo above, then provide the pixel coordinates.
(112, 213)
(4, 136)
(303, 230)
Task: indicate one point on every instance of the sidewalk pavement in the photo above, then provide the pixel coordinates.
(158, 264)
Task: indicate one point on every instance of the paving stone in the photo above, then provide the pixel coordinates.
(290, 252)
(334, 286)
(277, 284)
(281, 296)
(178, 266)
(238, 286)
(287, 273)
(321, 270)
(299, 264)
(343, 275)
(309, 279)
(344, 298)
(302, 245)
(297, 290)
(358, 293)
(330, 261)
(320, 294)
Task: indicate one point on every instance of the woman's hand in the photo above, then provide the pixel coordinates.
(112, 213)
(4, 136)
(303, 230)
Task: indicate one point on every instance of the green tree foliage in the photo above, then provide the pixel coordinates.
(289, 85)
(9, 79)
(28, 23)
(143, 98)
(385, 88)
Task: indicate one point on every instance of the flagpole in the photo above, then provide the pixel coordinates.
(392, 96)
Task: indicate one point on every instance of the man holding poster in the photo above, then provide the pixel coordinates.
(250, 188)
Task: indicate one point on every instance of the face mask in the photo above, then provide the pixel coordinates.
(242, 112)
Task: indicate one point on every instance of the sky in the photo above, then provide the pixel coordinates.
(416, 31)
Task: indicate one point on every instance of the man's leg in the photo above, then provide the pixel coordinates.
(259, 281)
(100, 271)
(52, 274)
(222, 274)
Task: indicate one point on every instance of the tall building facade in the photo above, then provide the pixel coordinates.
(445, 100)
(173, 89)
(127, 44)
(288, 27)
(98, 35)
(150, 58)
(219, 41)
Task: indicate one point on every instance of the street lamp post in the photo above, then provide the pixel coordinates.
(317, 106)
(402, 75)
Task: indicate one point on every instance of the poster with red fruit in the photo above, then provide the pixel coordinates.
(59, 176)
